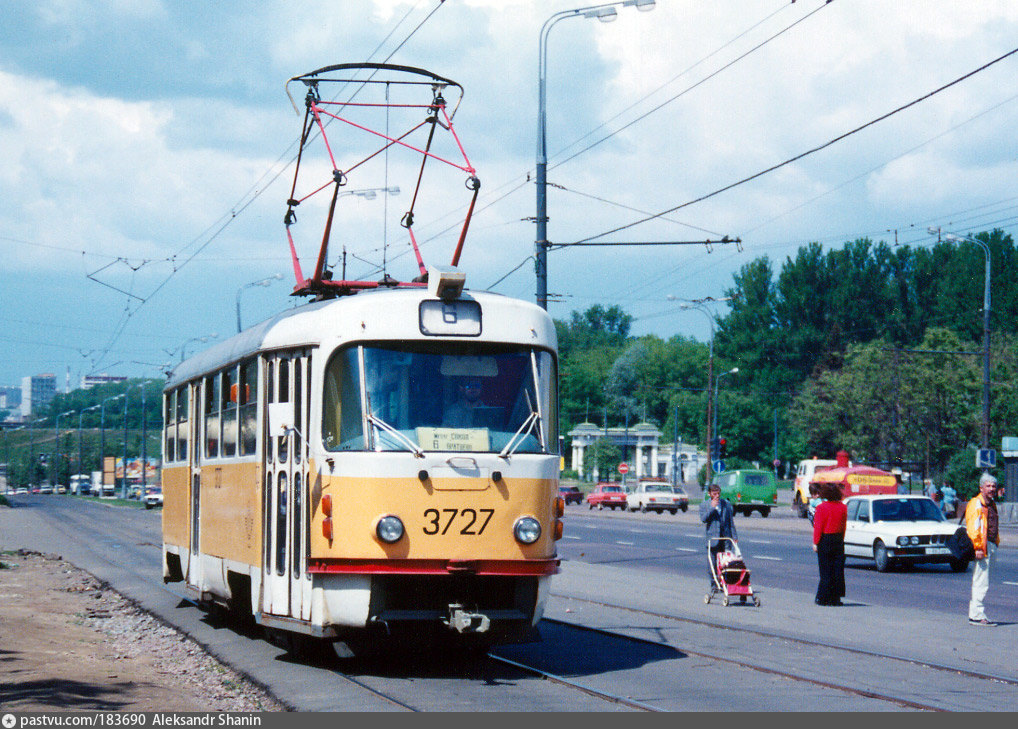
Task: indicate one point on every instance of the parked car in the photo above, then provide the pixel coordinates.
(656, 496)
(607, 495)
(153, 497)
(20, 490)
(749, 490)
(899, 529)
(45, 489)
(571, 494)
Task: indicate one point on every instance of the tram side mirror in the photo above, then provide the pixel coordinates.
(280, 418)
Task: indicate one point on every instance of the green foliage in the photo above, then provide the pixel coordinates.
(596, 327)
(37, 453)
(962, 473)
(604, 456)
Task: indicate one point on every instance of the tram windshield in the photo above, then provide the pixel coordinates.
(416, 397)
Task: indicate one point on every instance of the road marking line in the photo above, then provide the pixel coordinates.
(570, 537)
(772, 559)
(628, 544)
(684, 549)
(758, 541)
(1010, 583)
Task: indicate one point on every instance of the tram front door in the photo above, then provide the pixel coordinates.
(286, 587)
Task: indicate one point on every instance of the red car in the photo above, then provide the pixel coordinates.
(610, 495)
(571, 494)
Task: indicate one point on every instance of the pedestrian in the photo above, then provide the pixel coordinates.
(929, 489)
(981, 525)
(717, 516)
(950, 500)
(814, 501)
(829, 543)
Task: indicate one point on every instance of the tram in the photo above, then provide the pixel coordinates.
(382, 461)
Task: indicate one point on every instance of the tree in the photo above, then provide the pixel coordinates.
(604, 456)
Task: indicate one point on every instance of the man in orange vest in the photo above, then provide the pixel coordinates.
(981, 525)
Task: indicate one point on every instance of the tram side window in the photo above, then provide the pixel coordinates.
(182, 422)
(270, 397)
(281, 525)
(341, 403)
(248, 407)
(170, 420)
(212, 416)
(283, 395)
(230, 402)
(297, 403)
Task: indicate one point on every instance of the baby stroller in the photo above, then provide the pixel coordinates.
(730, 574)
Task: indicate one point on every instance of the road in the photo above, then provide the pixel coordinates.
(625, 629)
(778, 553)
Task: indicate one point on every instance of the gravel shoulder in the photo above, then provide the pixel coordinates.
(69, 642)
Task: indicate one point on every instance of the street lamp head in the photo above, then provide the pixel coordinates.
(604, 14)
(642, 5)
(733, 370)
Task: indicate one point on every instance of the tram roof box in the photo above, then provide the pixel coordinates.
(445, 282)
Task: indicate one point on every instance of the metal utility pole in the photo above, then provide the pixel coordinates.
(605, 13)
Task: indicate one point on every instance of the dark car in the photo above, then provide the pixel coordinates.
(571, 494)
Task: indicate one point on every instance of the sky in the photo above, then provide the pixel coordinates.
(148, 150)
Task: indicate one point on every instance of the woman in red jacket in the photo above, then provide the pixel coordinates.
(829, 544)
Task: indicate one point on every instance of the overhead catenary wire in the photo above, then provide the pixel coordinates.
(518, 185)
(807, 153)
(226, 219)
(686, 90)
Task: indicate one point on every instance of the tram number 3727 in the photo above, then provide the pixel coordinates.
(434, 520)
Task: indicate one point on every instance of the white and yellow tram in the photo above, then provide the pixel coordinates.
(379, 462)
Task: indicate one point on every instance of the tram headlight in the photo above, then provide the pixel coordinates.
(389, 529)
(527, 530)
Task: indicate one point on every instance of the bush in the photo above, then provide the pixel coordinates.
(964, 476)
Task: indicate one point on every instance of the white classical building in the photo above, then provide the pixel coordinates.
(642, 451)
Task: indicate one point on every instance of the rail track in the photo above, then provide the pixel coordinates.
(906, 665)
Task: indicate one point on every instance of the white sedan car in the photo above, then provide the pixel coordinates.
(656, 496)
(153, 497)
(899, 529)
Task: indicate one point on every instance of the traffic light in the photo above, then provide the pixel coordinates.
(722, 448)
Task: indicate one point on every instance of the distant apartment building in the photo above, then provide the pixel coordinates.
(37, 391)
(10, 398)
(88, 381)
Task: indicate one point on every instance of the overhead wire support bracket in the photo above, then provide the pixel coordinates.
(707, 242)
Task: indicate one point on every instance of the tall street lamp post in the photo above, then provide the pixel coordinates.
(56, 468)
(605, 13)
(986, 324)
(102, 442)
(183, 347)
(264, 282)
(81, 460)
(699, 306)
(717, 382)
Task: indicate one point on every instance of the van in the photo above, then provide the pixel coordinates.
(803, 477)
(749, 490)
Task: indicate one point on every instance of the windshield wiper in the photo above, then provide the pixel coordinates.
(524, 429)
(399, 437)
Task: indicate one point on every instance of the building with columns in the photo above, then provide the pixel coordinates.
(642, 450)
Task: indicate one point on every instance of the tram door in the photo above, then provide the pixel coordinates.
(194, 445)
(287, 591)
